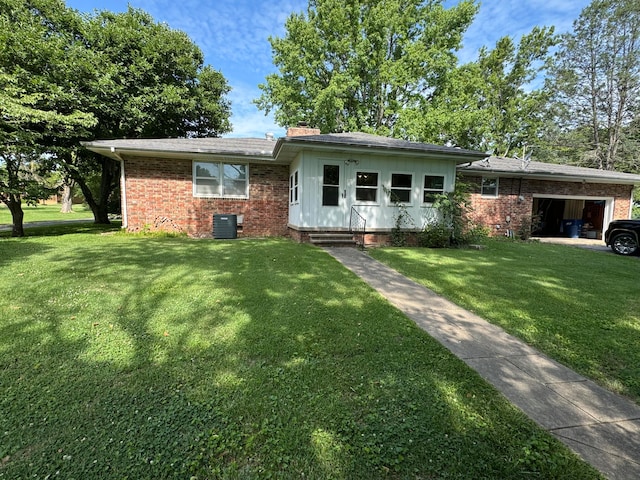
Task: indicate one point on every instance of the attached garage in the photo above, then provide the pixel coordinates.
(557, 200)
(567, 216)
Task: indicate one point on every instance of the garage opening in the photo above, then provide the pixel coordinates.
(569, 217)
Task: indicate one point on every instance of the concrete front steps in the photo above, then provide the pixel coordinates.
(332, 239)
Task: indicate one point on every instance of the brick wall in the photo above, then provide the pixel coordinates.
(515, 198)
(159, 195)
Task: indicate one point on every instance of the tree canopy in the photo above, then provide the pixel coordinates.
(37, 98)
(68, 77)
(390, 67)
(152, 83)
(489, 103)
(596, 88)
(346, 66)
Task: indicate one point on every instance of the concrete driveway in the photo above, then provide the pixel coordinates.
(590, 244)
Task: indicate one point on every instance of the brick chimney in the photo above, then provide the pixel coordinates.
(301, 129)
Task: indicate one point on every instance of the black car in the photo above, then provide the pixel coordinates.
(623, 236)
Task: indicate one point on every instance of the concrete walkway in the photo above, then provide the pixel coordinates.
(45, 223)
(603, 428)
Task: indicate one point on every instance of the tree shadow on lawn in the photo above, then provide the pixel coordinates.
(166, 358)
(15, 250)
(556, 305)
(63, 227)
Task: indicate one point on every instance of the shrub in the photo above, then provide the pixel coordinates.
(528, 224)
(476, 234)
(402, 221)
(435, 235)
(452, 227)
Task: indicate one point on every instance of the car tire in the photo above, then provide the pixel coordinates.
(624, 244)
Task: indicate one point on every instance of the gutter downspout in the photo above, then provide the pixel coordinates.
(123, 189)
(633, 190)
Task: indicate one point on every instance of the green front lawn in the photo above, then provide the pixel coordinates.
(138, 357)
(580, 307)
(45, 213)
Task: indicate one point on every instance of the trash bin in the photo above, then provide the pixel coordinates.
(225, 226)
(572, 227)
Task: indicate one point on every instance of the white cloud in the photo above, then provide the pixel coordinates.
(247, 120)
(234, 38)
(514, 18)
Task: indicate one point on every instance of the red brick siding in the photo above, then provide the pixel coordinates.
(494, 211)
(159, 196)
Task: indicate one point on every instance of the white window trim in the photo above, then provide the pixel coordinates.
(376, 188)
(221, 165)
(435, 192)
(410, 189)
(487, 195)
(339, 186)
(294, 187)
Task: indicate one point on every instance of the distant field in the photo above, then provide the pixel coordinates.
(45, 213)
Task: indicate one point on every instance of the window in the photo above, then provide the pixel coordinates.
(214, 179)
(489, 186)
(293, 187)
(331, 185)
(433, 185)
(401, 184)
(366, 186)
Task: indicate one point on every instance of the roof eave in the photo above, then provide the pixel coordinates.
(117, 153)
(553, 176)
(299, 143)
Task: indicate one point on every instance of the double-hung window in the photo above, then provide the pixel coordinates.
(367, 186)
(218, 179)
(401, 185)
(330, 185)
(433, 185)
(293, 187)
(489, 186)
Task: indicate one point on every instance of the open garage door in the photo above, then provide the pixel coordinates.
(564, 216)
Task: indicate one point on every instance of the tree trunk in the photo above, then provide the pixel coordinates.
(101, 215)
(17, 215)
(67, 197)
(99, 211)
(109, 177)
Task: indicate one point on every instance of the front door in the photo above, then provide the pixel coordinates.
(334, 196)
(345, 185)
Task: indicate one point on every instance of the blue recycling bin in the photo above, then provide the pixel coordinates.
(572, 227)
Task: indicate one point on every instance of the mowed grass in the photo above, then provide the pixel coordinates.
(46, 213)
(140, 357)
(578, 306)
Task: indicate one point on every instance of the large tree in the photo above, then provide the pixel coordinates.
(68, 78)
(596, 85)
(37, 100)
(147, 80)
(358, 65)
(491, 103)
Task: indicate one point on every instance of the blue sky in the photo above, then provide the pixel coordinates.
(233, 34)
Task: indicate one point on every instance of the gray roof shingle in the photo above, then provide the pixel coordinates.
(515, 167)
(287, 147)
(282, 150)
(358, 139)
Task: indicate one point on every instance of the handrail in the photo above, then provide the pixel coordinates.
(357, 226)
